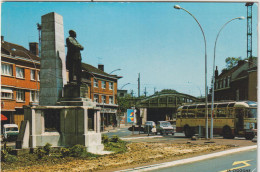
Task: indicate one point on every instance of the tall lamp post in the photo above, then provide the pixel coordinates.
(124, 85)
(206, 88)
(114, 71)
(37, 89)
(213, 78)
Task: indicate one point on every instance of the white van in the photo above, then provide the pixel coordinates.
(10, 132)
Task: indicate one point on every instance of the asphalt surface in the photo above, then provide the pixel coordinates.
(240, 162)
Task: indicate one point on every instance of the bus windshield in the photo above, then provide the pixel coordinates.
(252, 113)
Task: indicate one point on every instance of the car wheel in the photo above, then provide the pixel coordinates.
(249, 136)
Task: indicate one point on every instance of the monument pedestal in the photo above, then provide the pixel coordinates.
(77, 122)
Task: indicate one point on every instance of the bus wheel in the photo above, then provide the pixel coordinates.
(249, 136)
(188, 132)
(227, 133)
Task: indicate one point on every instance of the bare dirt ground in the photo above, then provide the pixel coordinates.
(148, 151)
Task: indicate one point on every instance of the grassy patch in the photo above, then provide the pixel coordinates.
(115, 144)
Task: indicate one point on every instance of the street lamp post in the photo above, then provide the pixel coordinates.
(37, 89)
(213, 78)
(124, 86)
(114, 71)
(206, 88)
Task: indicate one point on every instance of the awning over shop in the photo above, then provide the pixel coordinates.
(3, 118)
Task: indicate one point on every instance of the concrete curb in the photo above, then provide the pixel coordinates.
(188, 160)
(147, 137)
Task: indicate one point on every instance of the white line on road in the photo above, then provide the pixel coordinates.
(188, 160)
(147, 137)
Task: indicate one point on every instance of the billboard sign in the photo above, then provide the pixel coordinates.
(130, 116)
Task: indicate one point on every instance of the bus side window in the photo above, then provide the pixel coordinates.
(201, 113)
(221, 113)
(183, 113)
(179, 114)
(230, 113)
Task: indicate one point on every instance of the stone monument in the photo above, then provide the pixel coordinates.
(53, 69)
(61, 120)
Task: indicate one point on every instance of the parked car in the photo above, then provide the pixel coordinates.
(150, 125)
(10, 132)
(164, 127)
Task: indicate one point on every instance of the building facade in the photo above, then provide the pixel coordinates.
(19, 79)
(237, 83)
(103, 91)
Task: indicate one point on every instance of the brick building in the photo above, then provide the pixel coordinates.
(20, 69)
(237, 83)
(19, 79)
(103, 91)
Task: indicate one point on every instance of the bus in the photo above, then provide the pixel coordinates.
(230, 119)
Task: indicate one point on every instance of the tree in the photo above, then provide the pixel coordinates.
(231, 62)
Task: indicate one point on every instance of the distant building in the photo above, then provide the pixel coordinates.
(121, 93)
(237, 83)
(20, 79)
(103, 91)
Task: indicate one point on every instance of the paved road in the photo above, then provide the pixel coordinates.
(237, 162)
(120, 132)
(124, 132)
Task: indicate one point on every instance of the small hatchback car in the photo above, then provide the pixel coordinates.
(164, 127)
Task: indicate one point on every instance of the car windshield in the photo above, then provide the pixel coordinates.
(12, 129)
(165, 124)
(252, 113)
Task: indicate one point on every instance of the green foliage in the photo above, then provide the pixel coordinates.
(105, 139)
(232, 62)
(78, 151)
(47, 148)
(5, 155)
(116, 147)
(115, 139)
(11, 158)
(40, 152)
(125, 103)
(65, 152)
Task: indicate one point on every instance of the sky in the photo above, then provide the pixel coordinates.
(161, 43)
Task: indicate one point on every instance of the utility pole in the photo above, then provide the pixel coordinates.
(145, 92)
(132, 93)
(249, 29)
(154, 90)
(138, 84)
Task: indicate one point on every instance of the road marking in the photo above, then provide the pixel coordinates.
(254, 170)
(236, 163)
(188, 160)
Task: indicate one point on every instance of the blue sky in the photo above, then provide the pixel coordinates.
(161, 43)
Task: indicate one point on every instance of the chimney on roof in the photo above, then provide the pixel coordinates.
(240, 62)
(2, 38)
(34, 48)
(216, 72)
(101, 67)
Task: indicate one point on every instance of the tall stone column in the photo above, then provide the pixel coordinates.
(53, 69)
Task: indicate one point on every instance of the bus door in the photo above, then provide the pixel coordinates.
(239, 120)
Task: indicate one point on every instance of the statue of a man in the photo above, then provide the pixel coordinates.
(73, 59)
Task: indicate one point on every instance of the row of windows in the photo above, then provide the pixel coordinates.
(103, 84)
(7, 93)
(223, 83)
(7, 69)
(193, 113)
(103, 99)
